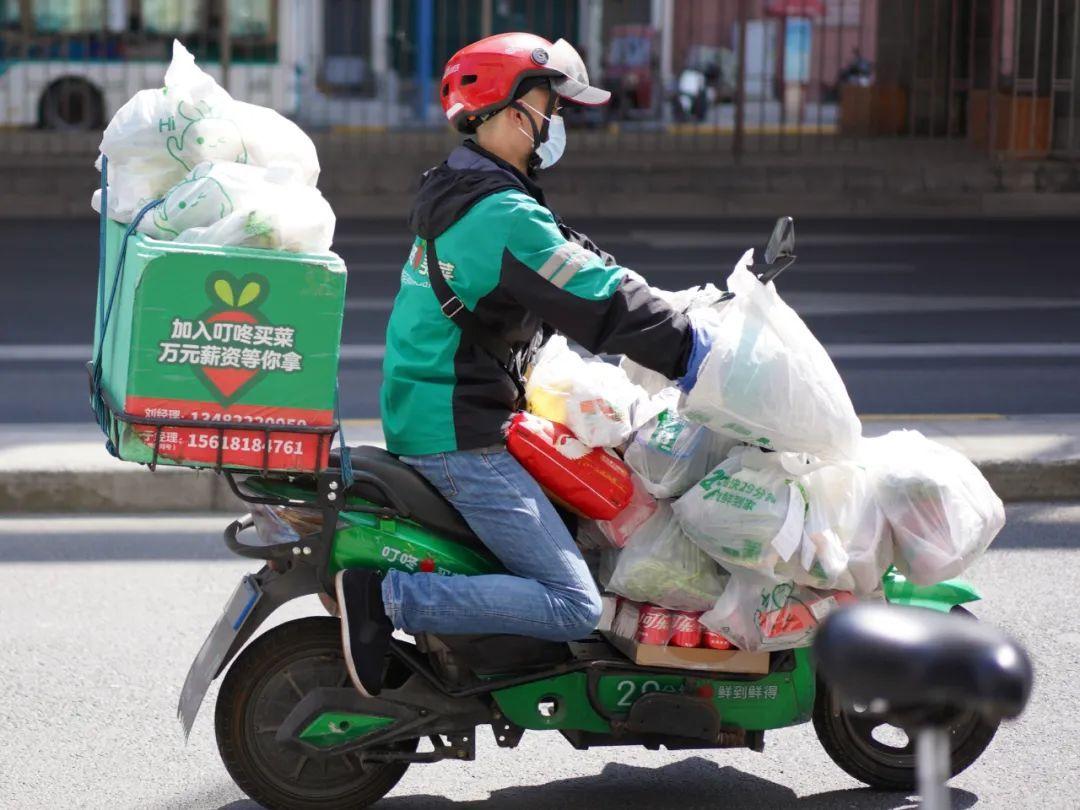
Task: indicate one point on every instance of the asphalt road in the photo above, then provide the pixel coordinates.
(101, 617)
(921, 316)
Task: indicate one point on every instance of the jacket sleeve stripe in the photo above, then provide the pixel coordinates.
(555, 262)
(570, 269)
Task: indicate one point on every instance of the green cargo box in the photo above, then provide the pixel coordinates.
(230, 355)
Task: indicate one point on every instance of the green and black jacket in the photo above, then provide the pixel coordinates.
(522, 274)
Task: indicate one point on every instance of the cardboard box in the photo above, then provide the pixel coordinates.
(227, 335)
(701, 658)
(622, 630)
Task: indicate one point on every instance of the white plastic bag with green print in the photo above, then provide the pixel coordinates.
(242, 205)
(756, 613)
(159, 135)
(660, 566)
(768, 381)
(747, 513)
(670, 453)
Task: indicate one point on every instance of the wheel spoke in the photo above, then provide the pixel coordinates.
(288, 676)
(299, 767)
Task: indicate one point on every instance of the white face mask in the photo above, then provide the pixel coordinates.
(552, 149)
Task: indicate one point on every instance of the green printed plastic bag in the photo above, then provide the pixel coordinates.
(671, 453)
(245, 206)
(160, 135)
(747, 513)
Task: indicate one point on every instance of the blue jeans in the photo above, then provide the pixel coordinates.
(549, 592)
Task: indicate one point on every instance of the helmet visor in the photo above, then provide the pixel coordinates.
(573, 85)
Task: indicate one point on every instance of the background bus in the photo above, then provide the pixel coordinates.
(70, 64)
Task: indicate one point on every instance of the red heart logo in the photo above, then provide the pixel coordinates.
(230, 380)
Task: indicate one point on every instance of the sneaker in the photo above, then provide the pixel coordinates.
(365, 628)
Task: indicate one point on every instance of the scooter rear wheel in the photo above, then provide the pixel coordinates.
(881, 756)
(263, 685)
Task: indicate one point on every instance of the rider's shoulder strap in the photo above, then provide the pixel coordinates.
(454, 308)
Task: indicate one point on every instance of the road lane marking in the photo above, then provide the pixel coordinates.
(820, 304)
(719, 239)
(369, 304)
(109, 524)
(890, 351)
(705, 269)
(35, 353)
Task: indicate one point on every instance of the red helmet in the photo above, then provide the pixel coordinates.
(483, 77)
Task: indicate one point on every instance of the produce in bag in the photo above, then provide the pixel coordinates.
(241, 205)
(284, 524)
(942, 511)
(766, 379)
(159, 135)
(592, 398)
(847, 543)
(593, 482)
(659, 565)
(757, 613)
(746, 513)
(671, 453)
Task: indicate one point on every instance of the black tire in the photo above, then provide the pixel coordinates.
(304, 653)
(847, 739)
(72, 104)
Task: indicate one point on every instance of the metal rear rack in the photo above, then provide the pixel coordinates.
(325, 434)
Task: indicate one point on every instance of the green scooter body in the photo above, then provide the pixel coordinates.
(591, 702)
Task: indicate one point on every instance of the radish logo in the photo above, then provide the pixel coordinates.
(232, 346)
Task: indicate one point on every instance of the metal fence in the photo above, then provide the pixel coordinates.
(995, 77)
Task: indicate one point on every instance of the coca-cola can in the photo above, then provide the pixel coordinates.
(685, 629)
(654, 625)
(715, 641)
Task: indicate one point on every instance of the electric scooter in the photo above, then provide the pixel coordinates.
(294, 733)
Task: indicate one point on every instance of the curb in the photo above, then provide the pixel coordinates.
(138, 491)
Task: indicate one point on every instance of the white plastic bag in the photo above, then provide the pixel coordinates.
(942, 511)
(747, 513)
(847, 543)
(160, 135)
(238, 204)
(659, 565)
(284, 524)
(620, 528)
(757, 613)
(768, 381)
(671, 453)
(592, 398)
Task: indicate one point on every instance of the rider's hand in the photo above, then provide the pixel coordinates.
(705, 330)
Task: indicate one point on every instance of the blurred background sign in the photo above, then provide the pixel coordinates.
(997, 77)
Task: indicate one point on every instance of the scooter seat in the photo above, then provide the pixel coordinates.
(919, 659)
(424, 503)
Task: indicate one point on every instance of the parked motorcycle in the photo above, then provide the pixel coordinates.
(294, 733)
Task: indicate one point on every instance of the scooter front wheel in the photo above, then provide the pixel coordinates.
(263, 685)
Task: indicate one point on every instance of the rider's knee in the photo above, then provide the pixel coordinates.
(584, 614)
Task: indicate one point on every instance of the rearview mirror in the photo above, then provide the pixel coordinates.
(782, 242)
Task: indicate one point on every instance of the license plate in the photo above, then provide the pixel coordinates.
(213, 650)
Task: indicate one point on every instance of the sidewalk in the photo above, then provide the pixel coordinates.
(64, 468)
